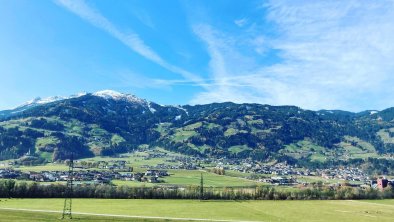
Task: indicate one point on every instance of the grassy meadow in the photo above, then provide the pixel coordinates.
(337, 210)
(23, 216)
(192, 178)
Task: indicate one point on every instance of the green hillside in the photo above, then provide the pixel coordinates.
(90, 126)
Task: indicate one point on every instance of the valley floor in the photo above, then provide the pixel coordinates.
(192, 210)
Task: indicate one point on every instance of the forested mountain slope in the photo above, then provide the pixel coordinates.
(107, 123)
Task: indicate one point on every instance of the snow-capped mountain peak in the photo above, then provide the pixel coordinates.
(77, 95)
(40, 101)
(106, 94)
(111, 94)
(33, 101)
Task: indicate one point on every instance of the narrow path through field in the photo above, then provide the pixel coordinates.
(128, 216)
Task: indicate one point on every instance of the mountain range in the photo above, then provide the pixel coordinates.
(110, 123)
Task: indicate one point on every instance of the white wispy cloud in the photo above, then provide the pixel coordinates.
(333, 55)
(130, 39)
(241, 22)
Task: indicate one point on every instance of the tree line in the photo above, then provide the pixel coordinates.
(12, 189)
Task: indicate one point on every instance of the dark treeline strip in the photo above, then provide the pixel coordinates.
(11, 189)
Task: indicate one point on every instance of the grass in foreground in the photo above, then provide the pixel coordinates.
(371, 210)
(23, 216)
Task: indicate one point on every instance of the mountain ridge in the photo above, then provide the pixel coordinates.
(108, 123)
(107, 93)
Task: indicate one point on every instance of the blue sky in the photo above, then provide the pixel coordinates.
(312, 54)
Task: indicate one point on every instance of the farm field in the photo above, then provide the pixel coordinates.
(189, 210)
(46, 167)
(192, 178)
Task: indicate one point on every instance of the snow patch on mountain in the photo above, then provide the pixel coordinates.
(185, 110)
(152, 110)
(178, 107)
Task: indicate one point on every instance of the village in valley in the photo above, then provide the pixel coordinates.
(155, 166)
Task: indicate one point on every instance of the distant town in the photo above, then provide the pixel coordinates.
(281, 174)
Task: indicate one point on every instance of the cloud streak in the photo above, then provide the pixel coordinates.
(332, 55)
(130, 39)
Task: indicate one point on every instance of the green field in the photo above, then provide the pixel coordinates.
(337, 210)
(192, 177)
(47, 167)
(25, 216)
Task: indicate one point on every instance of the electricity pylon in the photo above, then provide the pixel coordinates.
(69, 191)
